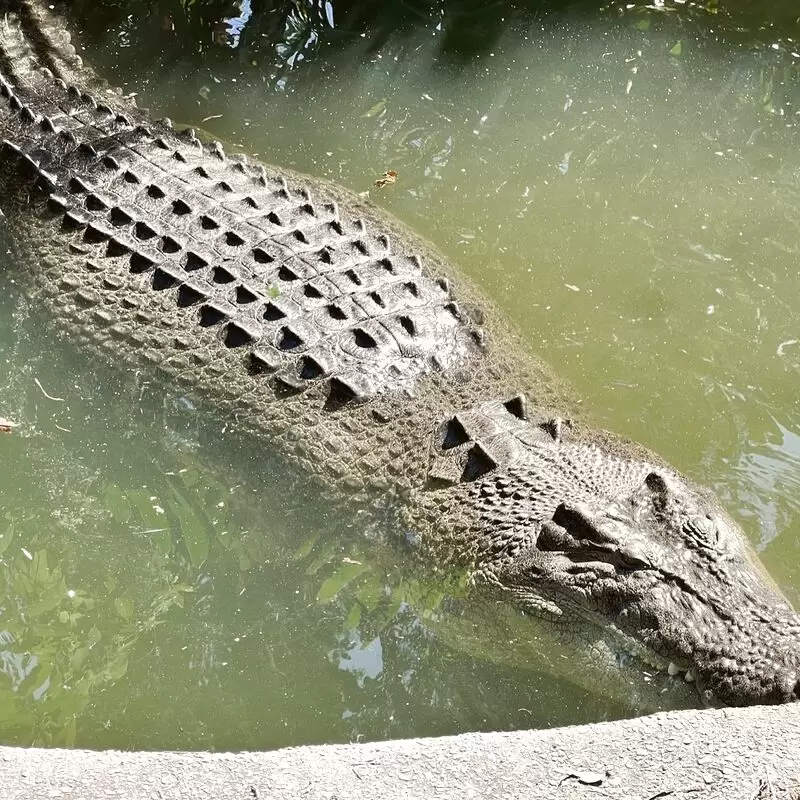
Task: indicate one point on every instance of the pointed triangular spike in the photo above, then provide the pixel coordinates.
(555, 427)
(346, 388)
(479, 462)
(454, 433)
(518, 406)
(261, 361)
(286, 383)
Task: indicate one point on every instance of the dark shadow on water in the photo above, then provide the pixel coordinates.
(282, 36)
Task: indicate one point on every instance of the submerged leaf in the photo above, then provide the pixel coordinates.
(194, 536)
(117, 503)
(333, 585)
(124, 607)
(377, 109)
(305, 548)
(117, 668)
(79, 657)
(353, 617)
(7, 535)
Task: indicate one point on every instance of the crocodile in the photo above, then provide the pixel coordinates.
(325, 326)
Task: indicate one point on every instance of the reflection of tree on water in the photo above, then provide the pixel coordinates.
(235, 25)
(283, 35)
(171, 591)
(767, 487)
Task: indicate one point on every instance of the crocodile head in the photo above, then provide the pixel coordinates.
(671, 574)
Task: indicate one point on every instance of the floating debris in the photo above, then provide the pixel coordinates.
(390, 176)
(6, 425)
(48, 396)
(377, 110)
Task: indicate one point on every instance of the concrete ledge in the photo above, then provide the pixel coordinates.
(753, 754)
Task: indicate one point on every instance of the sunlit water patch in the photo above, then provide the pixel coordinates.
(624, 186)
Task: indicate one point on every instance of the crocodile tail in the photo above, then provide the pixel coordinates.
(35, 47)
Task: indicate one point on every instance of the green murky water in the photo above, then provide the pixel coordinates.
(625, 185)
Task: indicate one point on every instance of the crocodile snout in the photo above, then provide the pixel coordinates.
(764, 681)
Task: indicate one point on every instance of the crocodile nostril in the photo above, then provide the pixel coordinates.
(567, 515)
(577, 520)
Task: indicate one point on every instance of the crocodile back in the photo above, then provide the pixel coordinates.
(286, 300)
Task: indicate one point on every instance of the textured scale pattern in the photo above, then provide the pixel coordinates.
(167, 249)
(332, 329)
(165, 227)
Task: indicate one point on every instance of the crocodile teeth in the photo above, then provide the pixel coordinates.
(673, 668)
(689, 676)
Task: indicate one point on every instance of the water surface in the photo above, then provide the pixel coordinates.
(624, 185)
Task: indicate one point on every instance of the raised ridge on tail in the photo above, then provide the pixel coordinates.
(35, 46)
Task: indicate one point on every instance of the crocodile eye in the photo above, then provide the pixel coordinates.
(658, 491)
(656, 483)
(703, 528)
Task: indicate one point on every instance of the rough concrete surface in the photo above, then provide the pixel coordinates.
(753, 754)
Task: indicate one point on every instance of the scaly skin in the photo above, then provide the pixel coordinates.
(325, 326)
